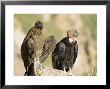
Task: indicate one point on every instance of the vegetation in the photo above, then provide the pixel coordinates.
(92, 72)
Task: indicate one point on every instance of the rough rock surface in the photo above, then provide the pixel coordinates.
(47, 71)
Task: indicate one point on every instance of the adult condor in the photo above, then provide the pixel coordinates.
(65, 53)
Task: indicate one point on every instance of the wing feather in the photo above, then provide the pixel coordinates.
(49, 45)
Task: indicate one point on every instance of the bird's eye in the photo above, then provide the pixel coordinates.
(74, 35)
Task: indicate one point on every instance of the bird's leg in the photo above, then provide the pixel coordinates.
(64, 71)
(26, 71)
(35, 67)
(70, 71)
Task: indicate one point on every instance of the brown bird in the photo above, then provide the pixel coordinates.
(36, 48)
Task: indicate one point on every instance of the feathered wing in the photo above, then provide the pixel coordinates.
(58, 55)
(64, 54)
(28, 55)
(75, 52)
(49, 45)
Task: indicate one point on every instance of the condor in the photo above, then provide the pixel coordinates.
(65, 53)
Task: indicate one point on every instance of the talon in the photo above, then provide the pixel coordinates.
(64, 71)
(70, 72)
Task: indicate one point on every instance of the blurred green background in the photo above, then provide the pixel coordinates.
(57, 25)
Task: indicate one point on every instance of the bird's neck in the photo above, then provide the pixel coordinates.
(71, 40)
(38, 31)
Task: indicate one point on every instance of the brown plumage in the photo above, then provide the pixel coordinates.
(34, 48)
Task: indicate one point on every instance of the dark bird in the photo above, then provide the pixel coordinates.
(65, 53)
(36, 48)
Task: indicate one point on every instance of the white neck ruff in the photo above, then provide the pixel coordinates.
(70, 40)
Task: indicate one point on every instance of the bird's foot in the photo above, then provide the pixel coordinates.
(70, 74)
(70, 70)
(64, 72)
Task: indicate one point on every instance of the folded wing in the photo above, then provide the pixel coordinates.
(49, 45)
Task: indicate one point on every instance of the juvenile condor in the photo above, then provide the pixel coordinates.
(65, 53)
(35, 49)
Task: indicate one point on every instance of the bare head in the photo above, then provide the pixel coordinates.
(73, 34)
(39, 25)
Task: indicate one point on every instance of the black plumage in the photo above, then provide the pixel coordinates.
(64, 54)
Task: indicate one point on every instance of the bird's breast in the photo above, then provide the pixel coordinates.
(39, 42)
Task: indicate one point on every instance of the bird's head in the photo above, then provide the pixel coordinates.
(73, 34)
(39, 25)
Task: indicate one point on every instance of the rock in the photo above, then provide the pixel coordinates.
(48, 71)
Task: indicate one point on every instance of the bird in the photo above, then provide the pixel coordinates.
(35, 48)
(65, 52)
